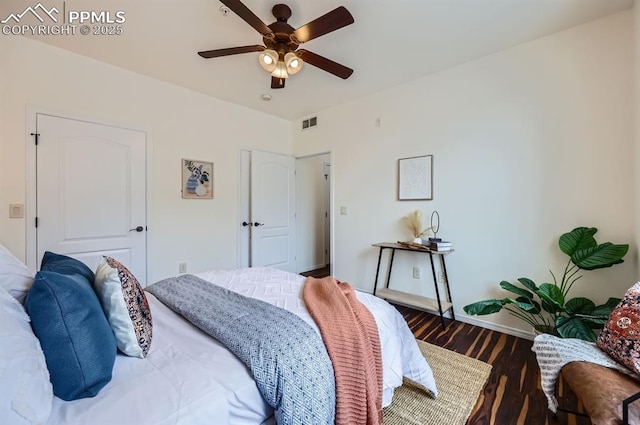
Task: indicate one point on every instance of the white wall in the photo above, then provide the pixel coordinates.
(310, 187)
(636, 55)
(528, 143)
(183, 124)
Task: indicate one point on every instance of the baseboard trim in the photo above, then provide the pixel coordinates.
(472, 320)
(495, 326)
(311, 268)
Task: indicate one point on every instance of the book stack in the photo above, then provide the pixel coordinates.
(438, 244)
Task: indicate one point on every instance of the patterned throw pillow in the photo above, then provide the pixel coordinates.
(620, 337)
(126, 307)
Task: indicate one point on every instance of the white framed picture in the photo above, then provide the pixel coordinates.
(415, 178)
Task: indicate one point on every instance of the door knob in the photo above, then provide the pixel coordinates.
(245, 224)
(258, 224)
(137, 229)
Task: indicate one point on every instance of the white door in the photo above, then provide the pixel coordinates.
(91, 192)
(273, 211)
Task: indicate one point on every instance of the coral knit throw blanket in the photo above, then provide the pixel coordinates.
(351, 336)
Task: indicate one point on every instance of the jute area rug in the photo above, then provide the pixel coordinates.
(459, 379)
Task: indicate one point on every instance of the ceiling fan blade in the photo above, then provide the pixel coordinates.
(207, 54)
(248, 16)
(334, 20)
(325, 64)
(277, 83)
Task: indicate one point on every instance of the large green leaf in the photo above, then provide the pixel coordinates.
(606, 308)
(571, 327)
(599, 316)
(597, 257)
(578, 238)
(549, 307)
(528, 283)
(512, 288)
(536, 306)
(522, 303)
(481, 308)
(596, 322)
(552, 295)
(580, 305)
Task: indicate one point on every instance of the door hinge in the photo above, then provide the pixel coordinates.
(36, 220)
(36, 137)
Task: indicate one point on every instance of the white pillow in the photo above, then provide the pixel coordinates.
(15, 277)
(126, 307)
(26, 393)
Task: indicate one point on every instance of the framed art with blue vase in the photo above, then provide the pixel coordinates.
(197, 179)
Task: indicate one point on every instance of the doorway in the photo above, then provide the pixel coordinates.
(313, 185)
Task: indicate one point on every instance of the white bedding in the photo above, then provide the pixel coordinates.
(189, 378)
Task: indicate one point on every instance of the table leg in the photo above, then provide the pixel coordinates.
(375, 284)
(446, 284)
(435, 283)
(393, 253)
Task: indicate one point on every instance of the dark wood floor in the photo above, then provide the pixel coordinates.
(322, 272)
(512, 394)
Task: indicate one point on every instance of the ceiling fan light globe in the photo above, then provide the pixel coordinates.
(268, 60)
(280, 71)
(293, 63)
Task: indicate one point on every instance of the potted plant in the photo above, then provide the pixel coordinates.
(414, 224)
(547, 307)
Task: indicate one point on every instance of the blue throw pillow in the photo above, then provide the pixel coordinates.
(66, 265)
(77, 341)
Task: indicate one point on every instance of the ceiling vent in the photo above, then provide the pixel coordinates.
(309, 122)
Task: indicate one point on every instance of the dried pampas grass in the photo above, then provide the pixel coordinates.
(414, 224)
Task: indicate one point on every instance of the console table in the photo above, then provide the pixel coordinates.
(415, 301)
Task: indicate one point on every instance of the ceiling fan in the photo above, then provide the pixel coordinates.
(280, 54)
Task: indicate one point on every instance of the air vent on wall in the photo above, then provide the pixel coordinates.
(309, 122)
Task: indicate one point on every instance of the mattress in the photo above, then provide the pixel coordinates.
(188, 378)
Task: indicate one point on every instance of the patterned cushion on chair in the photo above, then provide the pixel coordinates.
(620, 337)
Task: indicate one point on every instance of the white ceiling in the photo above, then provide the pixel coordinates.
(391, 42)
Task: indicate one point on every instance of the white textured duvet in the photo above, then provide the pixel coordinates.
(189, 378)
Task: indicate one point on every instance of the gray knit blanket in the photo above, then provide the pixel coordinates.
(286, 356)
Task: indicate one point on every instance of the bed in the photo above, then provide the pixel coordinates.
(190, 378)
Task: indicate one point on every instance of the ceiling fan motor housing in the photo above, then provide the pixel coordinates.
(281, 41)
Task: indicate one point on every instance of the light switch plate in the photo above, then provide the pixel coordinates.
(16, 211)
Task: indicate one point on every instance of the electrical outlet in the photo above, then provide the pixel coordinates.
(416, 272)
(182, 268)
